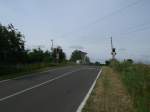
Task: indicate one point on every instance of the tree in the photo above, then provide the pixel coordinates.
(47, 56)
(97, 63)
(11, 45)
(58, 55)
(76, 55)
(38, 55)
(80, 56)
(130, 61)
(107, 62)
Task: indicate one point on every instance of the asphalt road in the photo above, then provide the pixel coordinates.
(58, 90)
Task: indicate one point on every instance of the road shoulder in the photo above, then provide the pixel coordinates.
(109, 95)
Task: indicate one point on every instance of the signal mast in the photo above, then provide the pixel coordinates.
(113, 50)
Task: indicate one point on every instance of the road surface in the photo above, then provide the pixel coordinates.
(57, 90)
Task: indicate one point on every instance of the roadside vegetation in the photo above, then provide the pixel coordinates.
(109, 94)
(136, 78)
(122, 87)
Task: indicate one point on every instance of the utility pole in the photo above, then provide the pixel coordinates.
(52, 45)
(113, 50)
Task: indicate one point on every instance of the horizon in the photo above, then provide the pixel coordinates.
(85, 25)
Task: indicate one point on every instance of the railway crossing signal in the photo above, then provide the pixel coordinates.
(113, 50)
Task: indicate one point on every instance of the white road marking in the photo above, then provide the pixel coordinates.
(38, 85)
(32, 74)
(81, 106)
(4, 80)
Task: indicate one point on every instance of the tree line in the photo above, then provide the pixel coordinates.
(12, 50)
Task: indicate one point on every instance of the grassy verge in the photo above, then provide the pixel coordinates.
(8, 72)
(109, 94)
(136, 78)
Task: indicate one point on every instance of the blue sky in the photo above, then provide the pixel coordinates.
(83, 24)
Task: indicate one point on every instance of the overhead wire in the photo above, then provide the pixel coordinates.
(105, 17)
(136, 28)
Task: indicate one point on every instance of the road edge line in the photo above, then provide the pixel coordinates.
(81, 106)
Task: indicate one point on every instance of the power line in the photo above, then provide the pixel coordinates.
(138, 30)
(140, 25)
(115, 12)
(106, 16)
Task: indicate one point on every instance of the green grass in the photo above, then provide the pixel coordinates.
(136, 78)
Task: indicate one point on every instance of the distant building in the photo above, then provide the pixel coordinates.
(78, 62)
